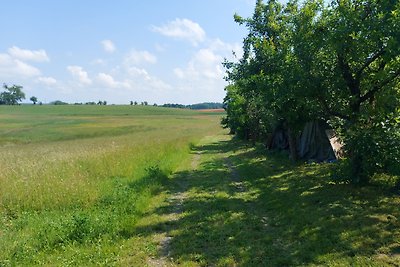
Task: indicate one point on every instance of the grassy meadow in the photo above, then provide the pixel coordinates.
(75, 179)
(146, 186)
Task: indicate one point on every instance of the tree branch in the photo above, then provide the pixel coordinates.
(370, 94)
(369, 61)
(352, 83)
(329, 111)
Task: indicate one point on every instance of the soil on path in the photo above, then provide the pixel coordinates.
(176, 202)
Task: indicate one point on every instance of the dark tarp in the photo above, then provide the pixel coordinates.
(314, 143)
(279, 140)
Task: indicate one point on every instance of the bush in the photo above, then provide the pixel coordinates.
(376, 145)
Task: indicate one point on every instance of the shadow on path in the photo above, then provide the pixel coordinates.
(250, 208)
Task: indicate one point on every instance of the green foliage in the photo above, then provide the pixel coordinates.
(378, 143)
(338, 62)
(12, 95)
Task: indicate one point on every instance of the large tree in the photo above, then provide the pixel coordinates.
(351, 51)
(12, 95)
(339, 62)
(269, 75)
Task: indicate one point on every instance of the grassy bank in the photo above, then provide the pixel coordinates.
(75, 179)
(246, 207)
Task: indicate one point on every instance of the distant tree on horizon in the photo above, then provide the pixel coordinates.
(205, 105)
(58, 102)
(33, 99)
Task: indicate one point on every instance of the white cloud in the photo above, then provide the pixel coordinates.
(179, 73)
(226, 48)
(202, 78)
(108, 80)
(28, 55)
(143, 80)
(48, 81)
(184, 29)
(79, 74)
(108, 46)
(204, 64)
(160, 48)
(139, 57)
(10, 67)
(137, 72)
(99, 61)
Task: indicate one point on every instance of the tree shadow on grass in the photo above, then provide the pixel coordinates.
(219, 147)
(276, 214)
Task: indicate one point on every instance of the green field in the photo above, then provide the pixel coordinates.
(150, 186)
(75, 179)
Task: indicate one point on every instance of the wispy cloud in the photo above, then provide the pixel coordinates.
(28, 55)
(48, 81)
(139, 57)
(183, 29)
(109, 81)
(80, 75)
(204, 64)
(108, 46)
(12, 67)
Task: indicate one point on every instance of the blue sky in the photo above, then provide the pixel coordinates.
(122, 50)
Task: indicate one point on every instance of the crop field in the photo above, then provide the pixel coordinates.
(75, 179)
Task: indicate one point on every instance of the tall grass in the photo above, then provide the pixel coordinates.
(71, 190)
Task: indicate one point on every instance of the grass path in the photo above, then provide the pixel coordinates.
(235, 205)
(183, 191)
(175, 202)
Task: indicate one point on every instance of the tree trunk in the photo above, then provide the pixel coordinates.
(358, 174)
(292, 145)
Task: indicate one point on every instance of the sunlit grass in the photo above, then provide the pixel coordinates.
(95, 190)
(74, 180)
(247, 207)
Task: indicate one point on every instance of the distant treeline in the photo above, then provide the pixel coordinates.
(13, 95)
(206, 105)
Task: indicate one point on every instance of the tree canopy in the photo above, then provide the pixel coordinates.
(12, 95)
(338, 62)
(33, 99)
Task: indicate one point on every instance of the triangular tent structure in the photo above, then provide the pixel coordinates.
(315, 142)
(279, 139)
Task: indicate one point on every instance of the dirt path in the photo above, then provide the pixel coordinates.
(176, 201)
(236, 179)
